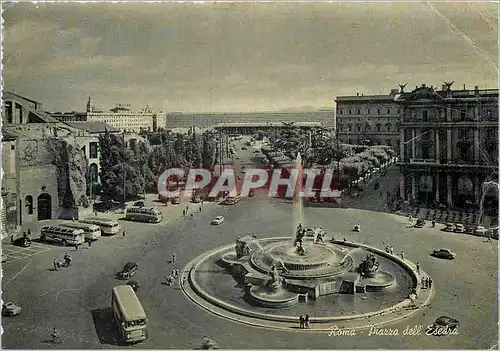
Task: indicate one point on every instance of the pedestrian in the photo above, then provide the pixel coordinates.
(387, 249)
(12, 239)
(170, 280)
(123, 233)
(183, 280)
(173, 258)
(418, 268)
(95, 213)
(402, 255)
(306, 321)
(29, 232)
(422, 282)
(430, 283)
(24, 235)
(187, 209)
(433, 223)
(184, 212)
(192, 215)
(56, 265)
(76, 247)
(89, 241)
(426, 282)
(410, 219)
(199, 208)
(302, 321)
(391, 249)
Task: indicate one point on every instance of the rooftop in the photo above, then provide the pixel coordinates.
(93, 127)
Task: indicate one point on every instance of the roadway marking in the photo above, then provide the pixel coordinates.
(22, 253)
(15, 276)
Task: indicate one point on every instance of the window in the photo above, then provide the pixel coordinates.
(12, 147)
(84, 150)
(388, 126)
(367, 127)
(424, 115)
(341, 112)
(388, 142)
(350, 112)
(93, 150)
(463, 113)
(378, 111)
(399, 110)
(358, 111)
(29, 203)
(388, 111)
(358, 127)
(340, 127)
(349, 127)
(488, 114)
(378, 127)
(369, 111)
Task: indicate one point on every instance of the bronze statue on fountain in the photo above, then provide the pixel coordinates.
(242, 248)
(368, 267)
(299, 235)
(276, 281)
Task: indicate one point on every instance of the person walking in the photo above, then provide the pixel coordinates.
(174, 256)
(418, 268)
(402, 255)
(306, 321)
(89, 241)
(56, 265)
(430, 283)
(76, 247)
(123, 233)
(433, 223)
(29, 232)
(301, 321)
(391, 249)
(12, 239)
(422, 282)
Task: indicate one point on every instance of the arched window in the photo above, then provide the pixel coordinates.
(29, 203)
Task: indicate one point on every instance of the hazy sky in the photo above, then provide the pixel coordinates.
(250, 56)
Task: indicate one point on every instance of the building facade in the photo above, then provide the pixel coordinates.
(368, 119)
(120, 117)
(449, 147)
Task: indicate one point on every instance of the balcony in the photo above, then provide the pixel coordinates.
(424, 161)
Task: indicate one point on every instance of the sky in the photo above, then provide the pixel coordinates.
(210, 57)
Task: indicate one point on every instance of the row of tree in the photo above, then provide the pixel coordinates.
(129, 171)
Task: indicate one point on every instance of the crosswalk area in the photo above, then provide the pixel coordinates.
(11, 253)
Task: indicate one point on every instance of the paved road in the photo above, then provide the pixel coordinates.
(74, 299)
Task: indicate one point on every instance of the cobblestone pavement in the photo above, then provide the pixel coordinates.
(75, 299)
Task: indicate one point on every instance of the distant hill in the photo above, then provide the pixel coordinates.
(306, 109)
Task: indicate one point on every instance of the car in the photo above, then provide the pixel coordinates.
(23, 242)
(244, 148)
(175, 200)
(135, 285)
(10, 309)
(420, 223)
(218, 220)
(459, 228)
(444, 253)
(128, 270)
(480, 230)
(449, 227)
(443, 325)
(195, 199)
(138, 204)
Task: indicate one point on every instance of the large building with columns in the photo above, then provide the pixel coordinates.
(449, 147)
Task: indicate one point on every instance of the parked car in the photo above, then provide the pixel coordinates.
(175, 200)
(138, 204)
(449, 227)
(420, 223)
(244, 148)
(218, 220)
(23, 242)
(10, 309)
(480, 230)
(443, 325)
(128, 270)
(444, 253)
(459, 228)
(135, 285)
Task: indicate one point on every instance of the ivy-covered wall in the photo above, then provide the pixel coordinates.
(71, 166)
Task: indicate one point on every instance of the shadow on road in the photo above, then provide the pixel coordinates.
(106, 329)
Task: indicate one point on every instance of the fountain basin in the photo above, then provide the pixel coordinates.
(380, 281)
(280, 299)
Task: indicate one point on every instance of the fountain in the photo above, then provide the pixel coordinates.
(277, 273)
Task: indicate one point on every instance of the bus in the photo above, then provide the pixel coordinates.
(108, 226)
(62, 235)
(144, 214)
(92, 231)
(231, 200)
(128, 314)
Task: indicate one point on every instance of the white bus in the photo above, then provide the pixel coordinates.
(108, 226)
(144, 214)
(92, 231)
(128, 314)
(62, 235)
(231, 200)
